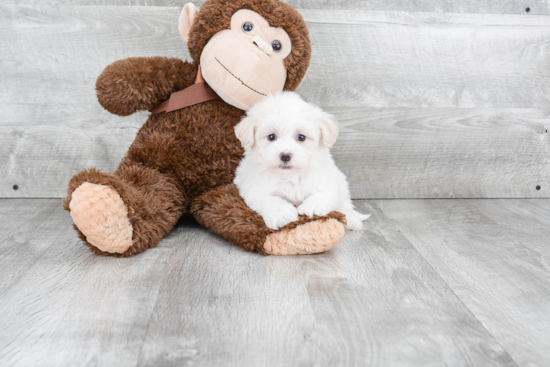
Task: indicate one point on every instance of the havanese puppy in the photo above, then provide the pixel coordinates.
(287, 167)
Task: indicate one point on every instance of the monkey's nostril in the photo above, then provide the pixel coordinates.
(285, 157)
(262, 45)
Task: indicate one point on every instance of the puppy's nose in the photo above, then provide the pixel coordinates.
(285, 157)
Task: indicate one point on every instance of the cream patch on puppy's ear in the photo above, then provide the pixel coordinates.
(187, 16)
(245, 130)
(329, 129)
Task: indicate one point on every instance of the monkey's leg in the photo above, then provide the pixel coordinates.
(125, 212)
(225, 213)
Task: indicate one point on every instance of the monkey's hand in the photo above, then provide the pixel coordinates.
(142, 83)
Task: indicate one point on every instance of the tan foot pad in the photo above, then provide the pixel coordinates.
(308, 238)
(101, 215)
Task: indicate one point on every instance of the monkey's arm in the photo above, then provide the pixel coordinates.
(142, 83)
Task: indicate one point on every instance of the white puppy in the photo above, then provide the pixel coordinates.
(287, 168)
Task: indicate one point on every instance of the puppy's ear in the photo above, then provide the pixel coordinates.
(329, 129)
(245, 131)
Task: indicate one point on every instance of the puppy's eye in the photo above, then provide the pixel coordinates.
(301, 137)
(248, 27)
(272, 137)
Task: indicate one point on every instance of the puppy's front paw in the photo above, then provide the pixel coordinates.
(279, 216)
(311, 207)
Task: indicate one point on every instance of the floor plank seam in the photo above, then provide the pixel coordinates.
(468, 308)
(451, 289)
(38, 258)
(165, 273)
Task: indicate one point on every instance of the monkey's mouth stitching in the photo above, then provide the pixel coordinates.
(239, 79)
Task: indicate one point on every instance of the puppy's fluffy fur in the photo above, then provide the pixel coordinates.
(282, 176)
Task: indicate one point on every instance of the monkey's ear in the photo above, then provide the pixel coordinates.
(245, 131)
(187, 16)
(329, 129)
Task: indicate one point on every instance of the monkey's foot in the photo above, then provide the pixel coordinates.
(101, 215)
(308, 238)
(225, 213)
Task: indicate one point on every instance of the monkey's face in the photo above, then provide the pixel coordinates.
(247, 49)
(246, 63)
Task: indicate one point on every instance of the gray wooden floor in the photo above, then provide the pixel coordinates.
(427, 283)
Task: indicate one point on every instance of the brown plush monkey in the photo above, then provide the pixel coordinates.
(184, 161)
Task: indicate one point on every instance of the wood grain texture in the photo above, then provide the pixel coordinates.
(54, 54)
(529, 218)
(428, 282)
(371, 301)
(485, 77)
(70, 307)
(28, 228)
(399, 59)
(464, 6)
(385, 153)
(444, 153)
(482, 253)
(43, 146)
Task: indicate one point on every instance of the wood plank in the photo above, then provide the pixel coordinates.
(43, 146)
(73, 307)
(28, 228)
(386, 153)
(464, 6)
(529, 218)
(444, 153)
(53, 54)
(396, 59)
(371, 301)
(399, 59)
(488, 264)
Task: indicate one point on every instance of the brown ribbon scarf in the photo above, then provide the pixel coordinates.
(199, 92)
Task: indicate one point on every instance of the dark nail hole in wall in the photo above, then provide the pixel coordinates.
(527, 9)
(538, 187)
(15, 187)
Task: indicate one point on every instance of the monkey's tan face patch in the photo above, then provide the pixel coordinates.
(245, 63)
(261, 28)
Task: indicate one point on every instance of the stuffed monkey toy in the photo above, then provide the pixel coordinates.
(183, 160)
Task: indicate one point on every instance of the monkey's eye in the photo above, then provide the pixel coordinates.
(276, 45)
(248, 27)
(272, 137)
(301, 137)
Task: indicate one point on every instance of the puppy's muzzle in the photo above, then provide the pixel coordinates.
(285, 157)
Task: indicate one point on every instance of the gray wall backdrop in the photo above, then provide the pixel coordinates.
(436, 99)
